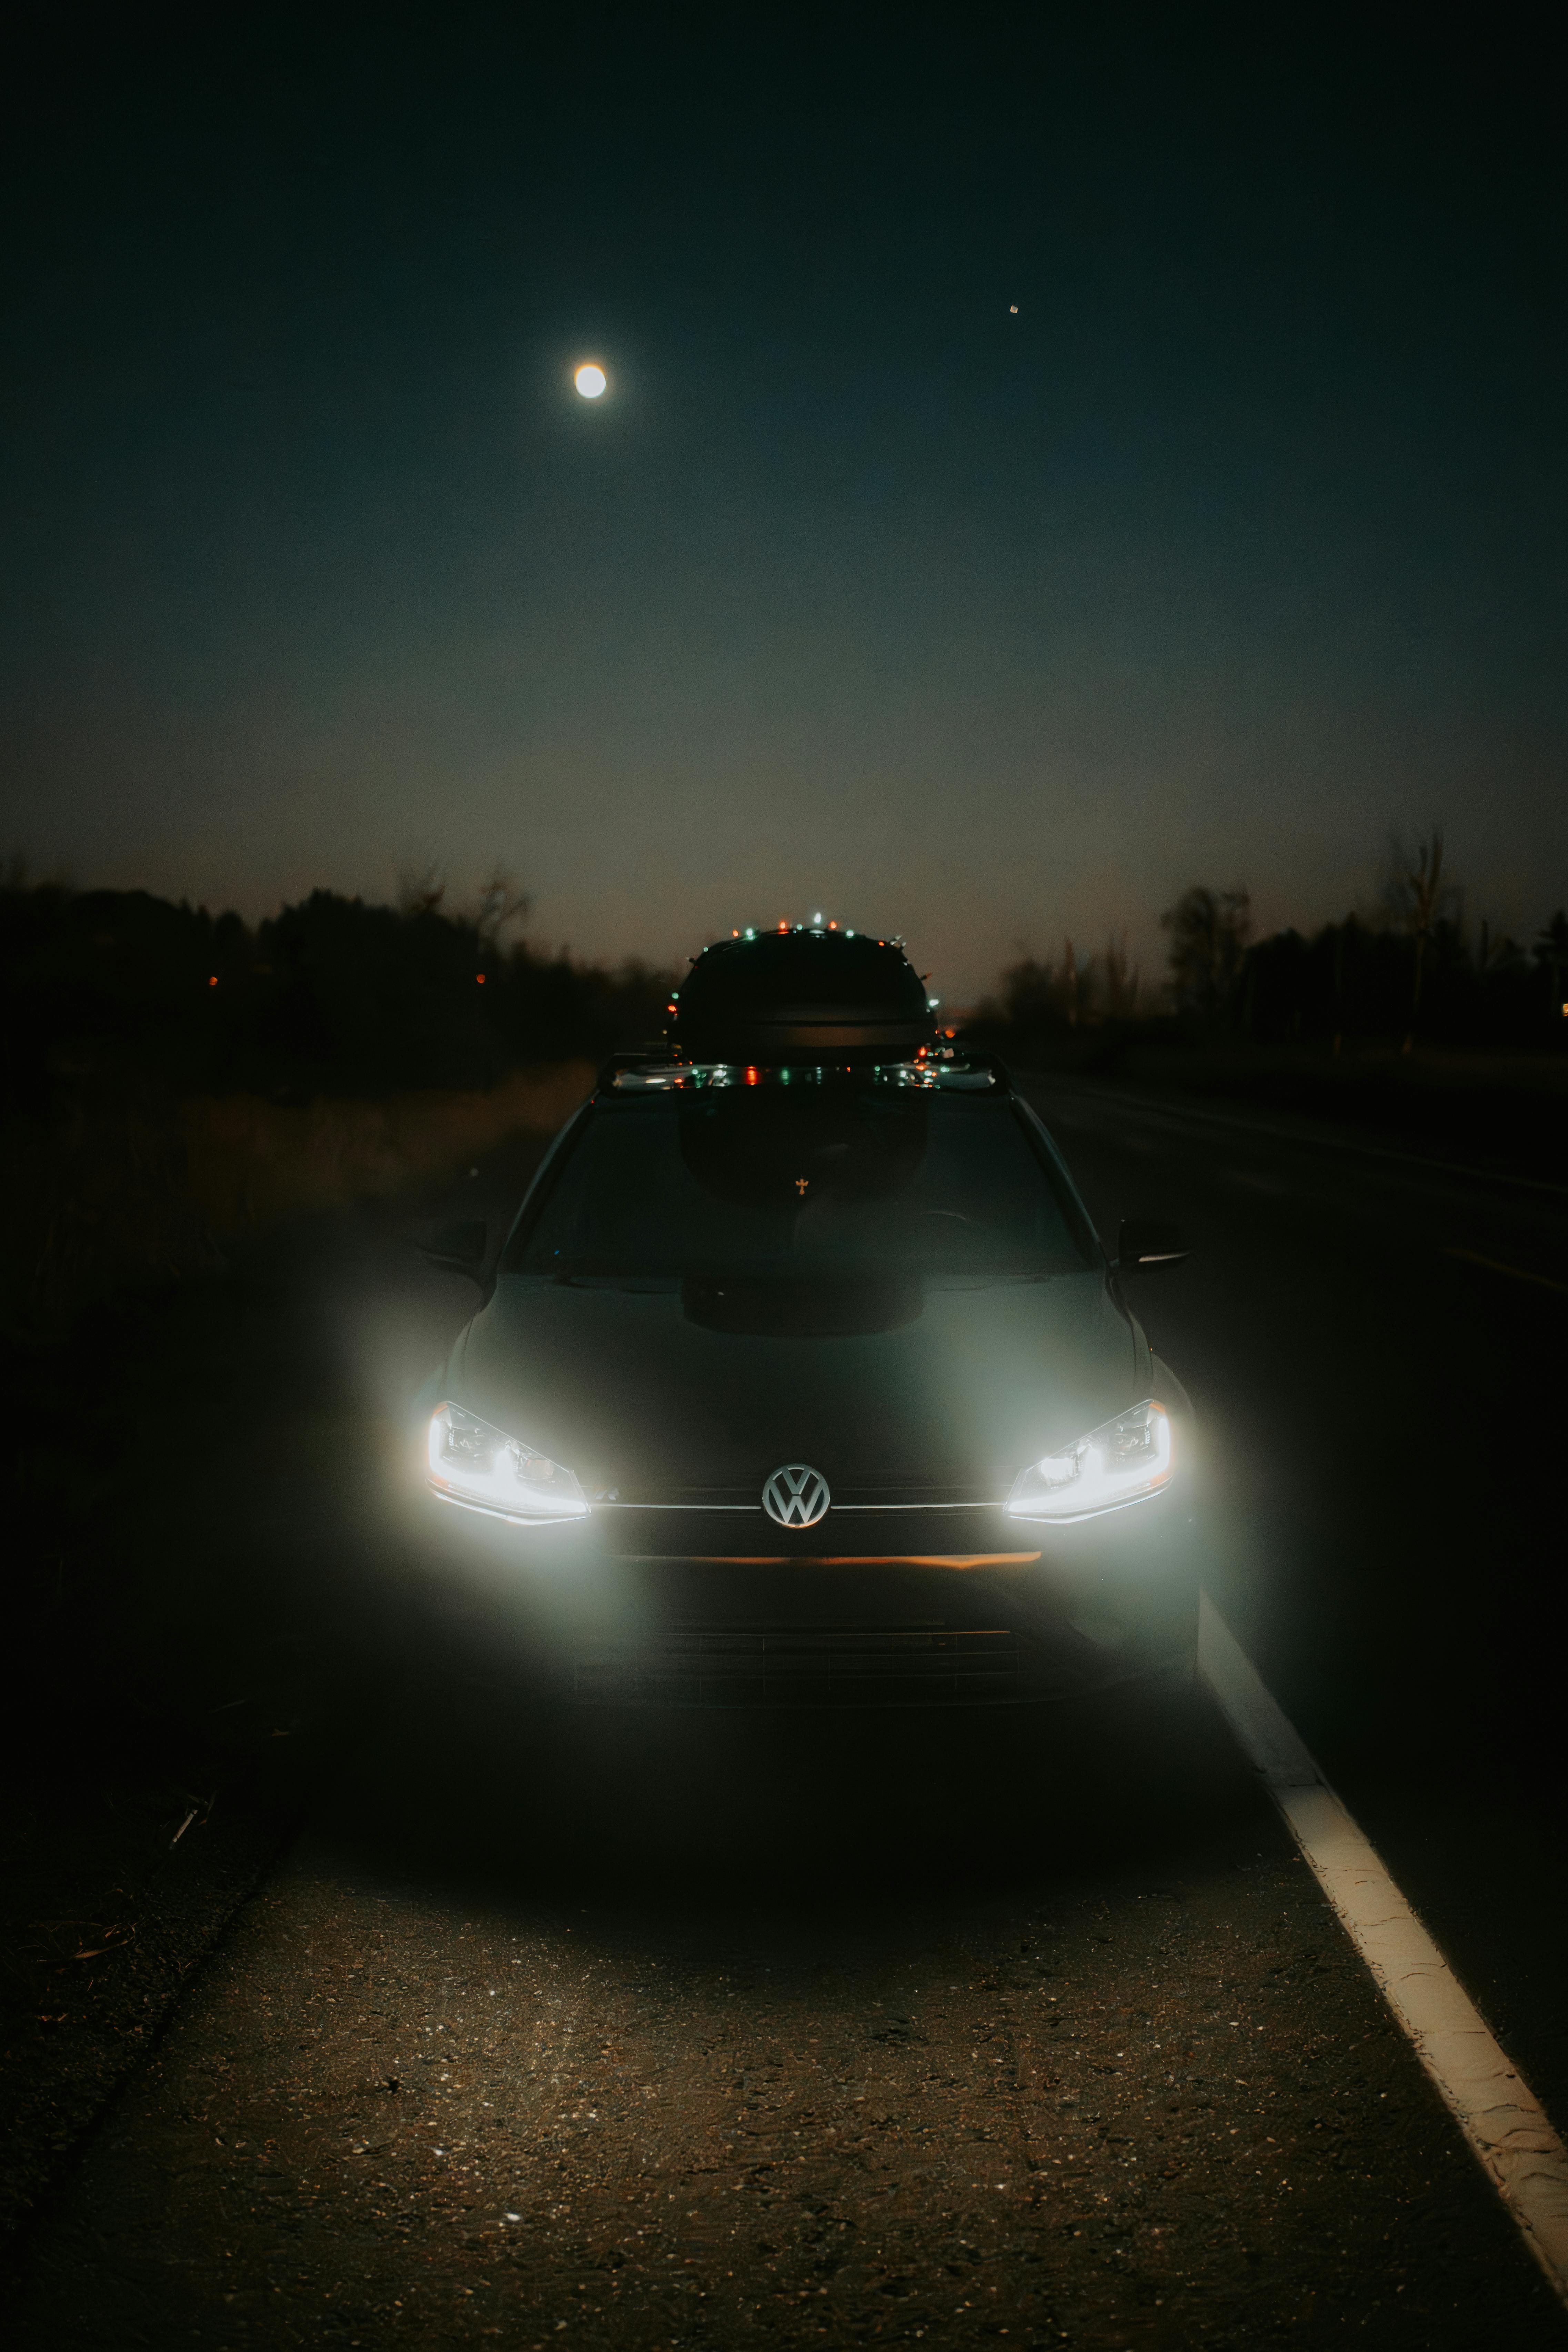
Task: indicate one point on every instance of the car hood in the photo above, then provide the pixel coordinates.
(641, 1387)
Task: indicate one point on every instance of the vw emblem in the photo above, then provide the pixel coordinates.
(796, 1495)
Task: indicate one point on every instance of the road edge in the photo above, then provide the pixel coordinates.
(1504, 2124)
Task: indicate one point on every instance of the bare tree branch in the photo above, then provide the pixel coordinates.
(420, 891)
(1418, 898)
(500, 903)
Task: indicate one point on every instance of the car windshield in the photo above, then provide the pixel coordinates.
(809, 1182)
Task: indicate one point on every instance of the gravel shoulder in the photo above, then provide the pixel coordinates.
(191, 1541)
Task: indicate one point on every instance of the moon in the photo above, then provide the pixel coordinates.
(590, 380)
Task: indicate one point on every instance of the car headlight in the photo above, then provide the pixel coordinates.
(473, 1463)
(1120, 1462)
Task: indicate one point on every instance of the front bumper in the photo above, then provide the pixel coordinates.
(892, 1608)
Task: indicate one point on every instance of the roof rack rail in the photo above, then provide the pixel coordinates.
(955, 1067)
(633, 1057)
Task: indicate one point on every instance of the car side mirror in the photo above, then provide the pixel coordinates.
(1146, 1244)
(460, 1249)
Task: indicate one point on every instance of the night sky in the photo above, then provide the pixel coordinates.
(1239, 543)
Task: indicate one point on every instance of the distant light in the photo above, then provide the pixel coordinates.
(1014, 307)
(480, 978)
(752, 1075)
(212, 983)
(816, 923)
(590, 380)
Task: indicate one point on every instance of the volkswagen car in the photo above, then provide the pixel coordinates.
(802, 1376)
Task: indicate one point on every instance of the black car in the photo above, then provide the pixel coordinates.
(804, 1378)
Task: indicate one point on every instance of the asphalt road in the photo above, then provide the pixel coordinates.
(682, 2030)
(1375, 1344)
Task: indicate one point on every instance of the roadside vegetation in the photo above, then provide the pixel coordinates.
(176, 1081)
(1411, 970)
(1406, 1016)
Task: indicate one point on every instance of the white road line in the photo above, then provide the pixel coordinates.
(1514, 1273)
(1488, 2099)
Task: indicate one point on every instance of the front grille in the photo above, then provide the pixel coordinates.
(705, 1533)
(794, 1666)
(904, 1495)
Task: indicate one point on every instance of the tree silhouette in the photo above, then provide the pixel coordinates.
(1417, 897)
(501, 903)
(1551, 952)
(1121, 979)
(1209, 931)
(421, 892)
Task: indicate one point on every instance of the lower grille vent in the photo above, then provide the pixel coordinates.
(796, 1665)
